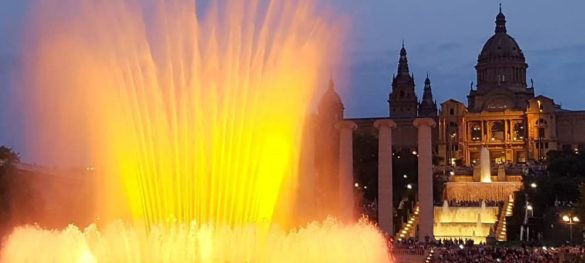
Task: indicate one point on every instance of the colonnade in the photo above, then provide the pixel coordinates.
(385, 202)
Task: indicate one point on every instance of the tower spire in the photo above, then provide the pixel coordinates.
(501, 21)
(330, 104)
(403, 62)
(427, 106)
(402, 100)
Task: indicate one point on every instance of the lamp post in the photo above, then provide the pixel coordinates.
(452, 142)
(525, 229)
(570, 220)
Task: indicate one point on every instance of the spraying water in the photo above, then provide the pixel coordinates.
(193, 117)
(485, 165)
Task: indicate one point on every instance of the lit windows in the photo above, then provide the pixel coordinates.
(475, 132)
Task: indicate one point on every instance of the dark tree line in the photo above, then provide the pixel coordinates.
(559, 190)
(19, 201)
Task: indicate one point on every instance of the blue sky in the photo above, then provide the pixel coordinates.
(442, 38)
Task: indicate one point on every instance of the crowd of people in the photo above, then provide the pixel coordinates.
(455, 251)
(464, 203)
(482, 253)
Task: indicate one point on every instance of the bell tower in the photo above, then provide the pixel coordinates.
(427, 107)
(402, 100)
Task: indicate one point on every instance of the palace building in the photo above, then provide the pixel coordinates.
(503, 123)
(503, 112)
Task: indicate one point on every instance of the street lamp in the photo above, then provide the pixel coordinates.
(528, 209)
(533, 185)
(570, 220)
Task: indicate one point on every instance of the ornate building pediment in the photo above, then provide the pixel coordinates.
(496, 100)
(499, 102)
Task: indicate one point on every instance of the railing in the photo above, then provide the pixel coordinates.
(501, 234)
(409, 251)
(416, 254)
(409, 229)
(429, 257)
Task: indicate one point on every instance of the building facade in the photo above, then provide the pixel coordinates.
(502, 112)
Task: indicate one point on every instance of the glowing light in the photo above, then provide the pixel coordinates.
(194, 124)
(118, 242)
(203, 122)
(87, 257)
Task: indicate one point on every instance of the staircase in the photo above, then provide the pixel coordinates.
(501, 234)
(408, 230)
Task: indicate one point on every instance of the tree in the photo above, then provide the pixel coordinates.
(8, 160)
(580, 209)
(19, 201)
(566, 163)
(365, 158)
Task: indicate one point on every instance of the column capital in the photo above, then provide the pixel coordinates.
(385, 123)
(341, 125)
(418, 122)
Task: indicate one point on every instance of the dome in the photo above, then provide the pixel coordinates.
(330, 99)
(500, 45)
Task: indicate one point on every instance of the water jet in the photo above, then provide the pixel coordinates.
(193, 117)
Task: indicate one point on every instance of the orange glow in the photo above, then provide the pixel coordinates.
(185, 116)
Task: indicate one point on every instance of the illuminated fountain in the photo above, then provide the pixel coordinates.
(194, 122)
(465, 222)
(484, 165)
(475, 220)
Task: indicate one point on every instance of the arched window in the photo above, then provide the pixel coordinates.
(519, 131)
(541, 124)
(452, 129)
(497, 131)
(476, 132)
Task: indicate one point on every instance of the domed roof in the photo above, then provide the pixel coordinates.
(331, 97)
(501, 44)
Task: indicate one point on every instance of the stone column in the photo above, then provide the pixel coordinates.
(346, 198)
(385, 201)
(307, 204)
(425, 177)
